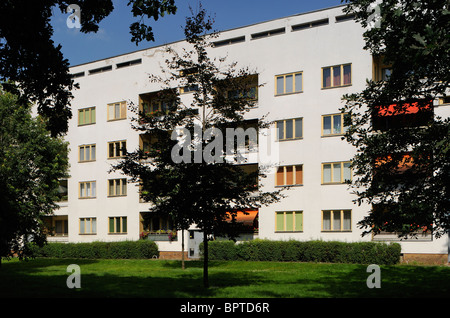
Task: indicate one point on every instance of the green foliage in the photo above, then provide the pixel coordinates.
(142, 249)
(308, 251)
(31, 165)
(36, 65)
(412, 39)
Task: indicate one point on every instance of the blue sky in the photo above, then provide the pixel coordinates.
(113, 37)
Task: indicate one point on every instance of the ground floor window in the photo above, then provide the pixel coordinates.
(118, 225)
(157, 227)
(336, 220)
(57, 225)
(88, 225)
(289, 221)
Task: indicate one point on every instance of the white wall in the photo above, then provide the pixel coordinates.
(306, 51)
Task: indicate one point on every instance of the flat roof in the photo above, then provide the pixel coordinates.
(232, 29)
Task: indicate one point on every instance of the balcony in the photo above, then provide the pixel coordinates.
(414, 113)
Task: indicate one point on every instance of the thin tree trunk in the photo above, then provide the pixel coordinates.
(205, 260)
(182, 249)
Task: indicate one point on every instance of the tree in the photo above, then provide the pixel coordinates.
(32, 67)
(402, 165)
(184, 173)
(31, 165)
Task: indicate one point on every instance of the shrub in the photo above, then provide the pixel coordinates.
(310, 251)
(96, 250)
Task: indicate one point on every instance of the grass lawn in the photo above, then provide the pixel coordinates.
(158, 278)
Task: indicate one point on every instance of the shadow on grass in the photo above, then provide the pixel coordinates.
(165, 279)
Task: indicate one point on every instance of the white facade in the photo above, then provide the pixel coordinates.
(305, 50)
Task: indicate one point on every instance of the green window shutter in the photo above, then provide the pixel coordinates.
(298, 221)
(280, 221)
(124, 225)
(111, 225)
(93, 115)
(289, 221)
(80, 117)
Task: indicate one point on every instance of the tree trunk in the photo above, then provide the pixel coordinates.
(205, 260)
(182, 249)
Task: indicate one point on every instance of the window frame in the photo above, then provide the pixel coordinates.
(122, 111)
(294, 221)
(121, 146)
(342, 180)
(92, 118)
(341, 68)
(293, 74)
(122, 182)
(115, 219)
(90, 185)
(90, 153)
(89, 231)
(293, 129)
(341, 220)
(343, 127)
(294, 176)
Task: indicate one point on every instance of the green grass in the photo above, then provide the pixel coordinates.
(238, 279)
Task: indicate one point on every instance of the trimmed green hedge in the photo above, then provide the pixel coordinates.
(96, 250)
(307, 251)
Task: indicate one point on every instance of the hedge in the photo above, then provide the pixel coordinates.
(306, 251)
(96, 250)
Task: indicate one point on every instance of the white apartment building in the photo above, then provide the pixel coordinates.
(295, 59)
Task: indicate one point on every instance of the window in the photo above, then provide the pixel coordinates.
(268, 33)
(63, 193)
(290, 129)
(56, 225)
(345, 17)
(308, 25)
(129, 63)
(76, 75)
(381, 69)
(149, 108)
(336, 220)
(444, 100)
(288, 83)
(385, 73)
(335, 76)
(86, 153)
(289, 175)
(87, 190)
(290, 221)
(188, 89)
(100, 70)
(117, 111)
(88, 225)
(189, 77)
(117, 149)
(86, 116)
(229, 41)
(333, 124)
(336, 172)
(117, 187)
(118, 225)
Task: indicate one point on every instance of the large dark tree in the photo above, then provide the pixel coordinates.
(175, 176)
(402, 165)
(34, 68)
(31, 165)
